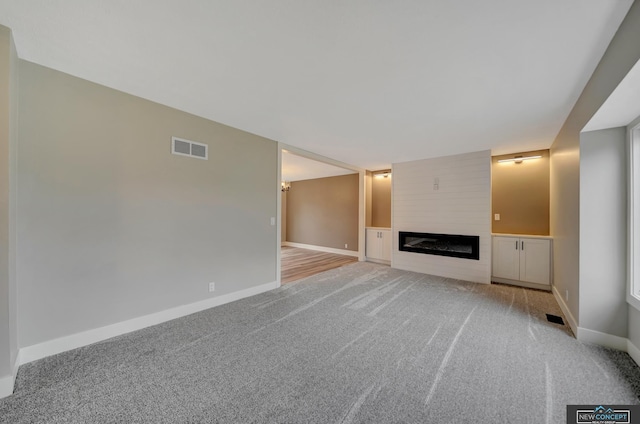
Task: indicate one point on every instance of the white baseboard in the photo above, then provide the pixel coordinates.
(6, 386)
(63, 344)
(7, 383)
(321, 248)
(633, 351)
(378, 261)
(546, 287)
(565, 310)
(586, 335)
(596, 337)
(16, 365)
(603, 339)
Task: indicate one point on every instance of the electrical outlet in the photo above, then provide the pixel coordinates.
(496, 216)
(212, 287)
(566, 295)
(346, 246)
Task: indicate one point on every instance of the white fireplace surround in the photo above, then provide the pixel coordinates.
(446, 195)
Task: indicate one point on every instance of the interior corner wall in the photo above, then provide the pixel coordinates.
(603, 231)
(324, 212)
(449, 195)
(621, 55)
(520, 194)
(112, 226)
(8, 146)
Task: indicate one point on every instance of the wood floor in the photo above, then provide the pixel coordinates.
(300, 263)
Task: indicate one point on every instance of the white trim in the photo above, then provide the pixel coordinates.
(279, 211)
(633, 301)
(310, 155)
(632, 297)
(7, 383)
(565, 310)
(6, 386)
(321, 249)
(378, 261)
(16, 365)
(602, 339)
(394, 233)
(73, 341)
(633, 351)
(596, 337)
(520, 283)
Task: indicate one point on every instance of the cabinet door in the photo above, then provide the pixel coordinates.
(506, 257)
(386, 245)
(373, 247)
(535, 260)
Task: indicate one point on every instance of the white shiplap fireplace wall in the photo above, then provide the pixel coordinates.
(459, 203)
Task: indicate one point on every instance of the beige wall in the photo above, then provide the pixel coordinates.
(112, 226)
(381, 201)
(324, 212)
(622, 53)
(8, 148)
(520, 194)
(603, 231)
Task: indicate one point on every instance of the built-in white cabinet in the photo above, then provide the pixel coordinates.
(524, 261)
(378, 246)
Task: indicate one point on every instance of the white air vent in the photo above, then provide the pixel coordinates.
(182, 147)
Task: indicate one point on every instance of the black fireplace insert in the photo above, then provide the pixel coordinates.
(455, 245)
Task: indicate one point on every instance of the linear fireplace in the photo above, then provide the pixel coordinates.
(458, 246)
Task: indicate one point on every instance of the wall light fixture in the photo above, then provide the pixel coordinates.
(519, 159)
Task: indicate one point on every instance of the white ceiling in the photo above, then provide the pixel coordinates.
(297, 168)
(366, 82)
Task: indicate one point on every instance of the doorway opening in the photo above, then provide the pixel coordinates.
(321, 214)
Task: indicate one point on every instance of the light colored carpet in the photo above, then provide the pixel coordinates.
(359, 344)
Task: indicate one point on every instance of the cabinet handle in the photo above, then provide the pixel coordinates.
(516, 244)
(522, 245)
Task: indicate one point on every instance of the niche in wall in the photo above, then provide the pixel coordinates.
(381, 198)
(520, 194)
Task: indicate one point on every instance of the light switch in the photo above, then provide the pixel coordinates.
(496, 217)
(273, 221)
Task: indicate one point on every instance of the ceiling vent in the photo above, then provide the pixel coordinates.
(182, 147)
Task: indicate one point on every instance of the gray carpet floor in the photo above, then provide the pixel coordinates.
(359, 344)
